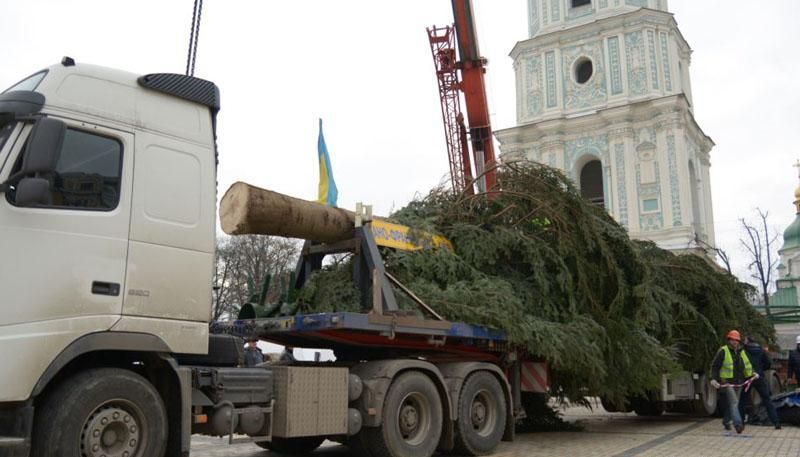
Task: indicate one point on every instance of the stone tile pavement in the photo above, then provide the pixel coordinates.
(604, 435)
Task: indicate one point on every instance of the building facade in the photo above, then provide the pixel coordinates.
(603, 93)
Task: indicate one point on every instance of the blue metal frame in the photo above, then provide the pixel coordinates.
(306, 323)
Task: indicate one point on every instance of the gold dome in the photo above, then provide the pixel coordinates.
(797, 191)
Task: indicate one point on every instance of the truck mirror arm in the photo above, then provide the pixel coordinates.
(11, 181)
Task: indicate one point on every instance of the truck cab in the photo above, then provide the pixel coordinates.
(95, 259)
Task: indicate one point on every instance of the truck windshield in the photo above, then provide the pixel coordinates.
(29, 83)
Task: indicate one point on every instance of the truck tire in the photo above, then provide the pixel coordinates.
(612, 407)
(481, 419)
(101, 412)
(411, 421)
(293, 446)
(775, 385)
(708, 403)
(643, 406)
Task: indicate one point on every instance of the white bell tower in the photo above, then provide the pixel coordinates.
(603, 93)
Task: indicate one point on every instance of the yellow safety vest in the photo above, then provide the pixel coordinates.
(726, 372)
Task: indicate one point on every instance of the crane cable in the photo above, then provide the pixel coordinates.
(194, 35)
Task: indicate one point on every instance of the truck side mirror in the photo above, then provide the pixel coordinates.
(33, 192)
(41, 152)
(44, 146)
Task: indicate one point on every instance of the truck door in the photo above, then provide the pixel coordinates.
(66, 260)
(171, 250)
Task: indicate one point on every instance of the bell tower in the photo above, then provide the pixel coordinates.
(603, 93)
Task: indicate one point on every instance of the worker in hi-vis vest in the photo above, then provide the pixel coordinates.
(729, 371)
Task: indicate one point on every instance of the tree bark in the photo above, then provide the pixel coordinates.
(247, 209)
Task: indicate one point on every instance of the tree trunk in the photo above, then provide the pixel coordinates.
(247, 209)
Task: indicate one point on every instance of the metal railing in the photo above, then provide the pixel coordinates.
(780, 314)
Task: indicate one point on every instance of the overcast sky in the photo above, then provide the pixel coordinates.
(365, 67)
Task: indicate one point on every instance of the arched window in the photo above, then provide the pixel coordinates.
(591, 182)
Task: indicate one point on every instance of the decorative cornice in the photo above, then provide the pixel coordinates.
(670, 112)
(636, 19)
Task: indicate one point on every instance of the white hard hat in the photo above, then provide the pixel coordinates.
(797, 340)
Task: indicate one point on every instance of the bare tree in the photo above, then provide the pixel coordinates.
(759, 243)
(723, 257)
(721, 253)
(242, 263)
(225, 267)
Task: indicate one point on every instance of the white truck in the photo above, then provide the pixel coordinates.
(107, 228)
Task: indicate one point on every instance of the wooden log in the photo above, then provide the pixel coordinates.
(247, 209)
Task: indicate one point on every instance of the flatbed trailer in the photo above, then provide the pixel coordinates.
(368, 332)
(418, 382)
(476, 379)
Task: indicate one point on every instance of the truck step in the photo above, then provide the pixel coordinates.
(7, 441)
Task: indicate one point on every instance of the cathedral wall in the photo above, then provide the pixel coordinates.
(639, 58)
(645, 156)
(631, 109)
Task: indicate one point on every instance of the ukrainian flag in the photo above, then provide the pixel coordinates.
(327, 186)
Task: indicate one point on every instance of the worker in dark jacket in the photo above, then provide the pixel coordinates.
(794, 361)
(761, 362)
(252, 353)
(729, 370)
(287, 356)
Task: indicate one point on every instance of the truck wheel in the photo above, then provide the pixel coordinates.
(481, 418)
(293, 446)
(613, 407)
(643, 406)
(101, 412)
(774, 382)
(411, 420)
(707, 404)
(775, 386)
(608, 405)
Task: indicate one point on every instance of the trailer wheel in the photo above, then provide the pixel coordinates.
(613, 407)
(481, 418)
(775, 385)
(101, 412)
(411, 420)
(707, 404)
(293, 446)
(644, 406)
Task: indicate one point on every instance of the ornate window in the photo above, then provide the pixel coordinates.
(650, 205)
(584, 69)
(577, 3)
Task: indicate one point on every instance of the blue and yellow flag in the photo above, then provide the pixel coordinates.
(327, 186)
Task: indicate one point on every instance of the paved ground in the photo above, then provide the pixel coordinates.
(605, 435)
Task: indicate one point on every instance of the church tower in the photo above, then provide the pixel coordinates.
(788, 283)
(603, 93)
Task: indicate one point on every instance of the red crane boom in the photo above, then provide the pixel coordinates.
(473, 87)
(443, 46)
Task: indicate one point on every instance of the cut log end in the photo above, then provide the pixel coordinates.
(246, 209)
(233, 209)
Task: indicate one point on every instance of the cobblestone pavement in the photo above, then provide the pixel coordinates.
(604, 435)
